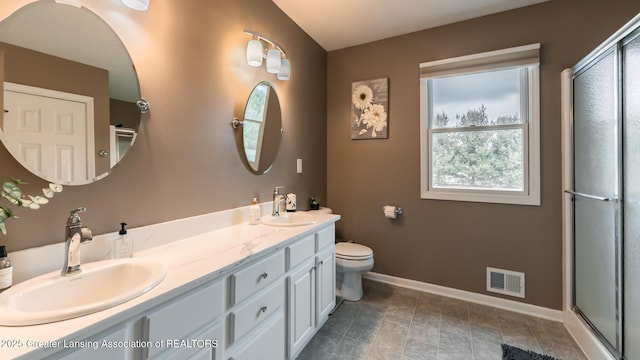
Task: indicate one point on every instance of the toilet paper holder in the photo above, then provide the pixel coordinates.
(396, 210)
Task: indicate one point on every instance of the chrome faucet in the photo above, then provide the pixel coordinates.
(279, 201)
(75, 234)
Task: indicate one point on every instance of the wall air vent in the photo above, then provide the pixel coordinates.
(505, 282)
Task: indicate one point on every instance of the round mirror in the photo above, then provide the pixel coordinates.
(70, 93)
(262, 128)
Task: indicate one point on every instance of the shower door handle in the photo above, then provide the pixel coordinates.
(594, 197)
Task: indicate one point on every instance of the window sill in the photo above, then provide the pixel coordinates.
(484, 197)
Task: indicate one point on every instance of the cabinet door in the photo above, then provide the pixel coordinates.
(326, 284)
(99, 352)
(302, 316)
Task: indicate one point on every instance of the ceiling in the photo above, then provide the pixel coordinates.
(75, 34)
(337, 24)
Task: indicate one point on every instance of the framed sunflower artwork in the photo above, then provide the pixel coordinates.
(370, 109)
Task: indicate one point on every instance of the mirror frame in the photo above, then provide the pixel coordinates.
(103, 153)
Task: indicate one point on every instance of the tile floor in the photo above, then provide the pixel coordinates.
(397, 323)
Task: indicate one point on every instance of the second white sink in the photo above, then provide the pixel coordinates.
(289, 219)
(101, 285)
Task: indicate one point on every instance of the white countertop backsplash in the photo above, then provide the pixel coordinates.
(32, 262)
(195, 250)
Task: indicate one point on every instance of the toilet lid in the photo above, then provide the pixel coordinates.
(347, 250)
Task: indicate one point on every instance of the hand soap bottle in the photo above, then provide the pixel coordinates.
(254, 212)
(6, 270)
(122, 245)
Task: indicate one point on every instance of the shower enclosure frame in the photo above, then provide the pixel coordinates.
(614, 45)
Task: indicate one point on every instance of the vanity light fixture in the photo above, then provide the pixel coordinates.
(140, 5)
(277, 63)
(285, 70)
(75, 3)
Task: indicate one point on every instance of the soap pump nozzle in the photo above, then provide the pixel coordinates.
(123, 231)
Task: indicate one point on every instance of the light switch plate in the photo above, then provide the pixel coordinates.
(299, 166)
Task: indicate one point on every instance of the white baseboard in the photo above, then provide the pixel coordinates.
(515, 306)
(587, 341)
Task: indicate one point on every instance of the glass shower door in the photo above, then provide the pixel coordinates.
(596, 212)
(631, 141)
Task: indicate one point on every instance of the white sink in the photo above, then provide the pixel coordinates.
(289, 219)
(101, 285)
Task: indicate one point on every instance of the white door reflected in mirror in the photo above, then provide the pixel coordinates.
(50, 132)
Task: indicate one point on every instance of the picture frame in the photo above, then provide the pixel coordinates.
(370, 109)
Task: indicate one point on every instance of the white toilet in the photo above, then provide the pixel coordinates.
(351, 261)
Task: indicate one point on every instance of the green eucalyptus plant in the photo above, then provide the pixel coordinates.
(12, 193)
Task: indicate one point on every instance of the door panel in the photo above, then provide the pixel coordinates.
(595, 267)
(596, 174)
(631, 156)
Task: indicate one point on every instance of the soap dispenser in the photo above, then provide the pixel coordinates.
(254, 212)
(6, 270)
(123, 244)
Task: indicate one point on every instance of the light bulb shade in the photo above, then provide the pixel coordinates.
(75, 3)
(254, 53)
(285, 70)
(141, 5)
(274, 61)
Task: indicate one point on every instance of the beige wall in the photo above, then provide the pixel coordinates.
(451, 243)
(190, 59)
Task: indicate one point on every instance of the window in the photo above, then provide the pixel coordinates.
(480, 127)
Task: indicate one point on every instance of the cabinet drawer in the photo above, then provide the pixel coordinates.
(325, 237)
(251, 314)
(186, 315)
(207, 344)
(255, 277)
(268, 344)
(300, 251)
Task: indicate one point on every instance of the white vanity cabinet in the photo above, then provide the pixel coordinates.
(266, 307)
(310, 287)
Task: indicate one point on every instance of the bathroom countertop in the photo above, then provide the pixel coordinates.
(190, 262)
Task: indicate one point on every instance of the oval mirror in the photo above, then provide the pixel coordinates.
(70, 93)
(262, 128)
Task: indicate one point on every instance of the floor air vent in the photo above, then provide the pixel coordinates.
(505, 282)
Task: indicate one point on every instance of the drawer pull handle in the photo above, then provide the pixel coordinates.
(263, 309)
(264, 275)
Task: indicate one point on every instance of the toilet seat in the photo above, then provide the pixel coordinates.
(353, 251)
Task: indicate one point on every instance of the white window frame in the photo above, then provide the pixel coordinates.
(494, 60)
